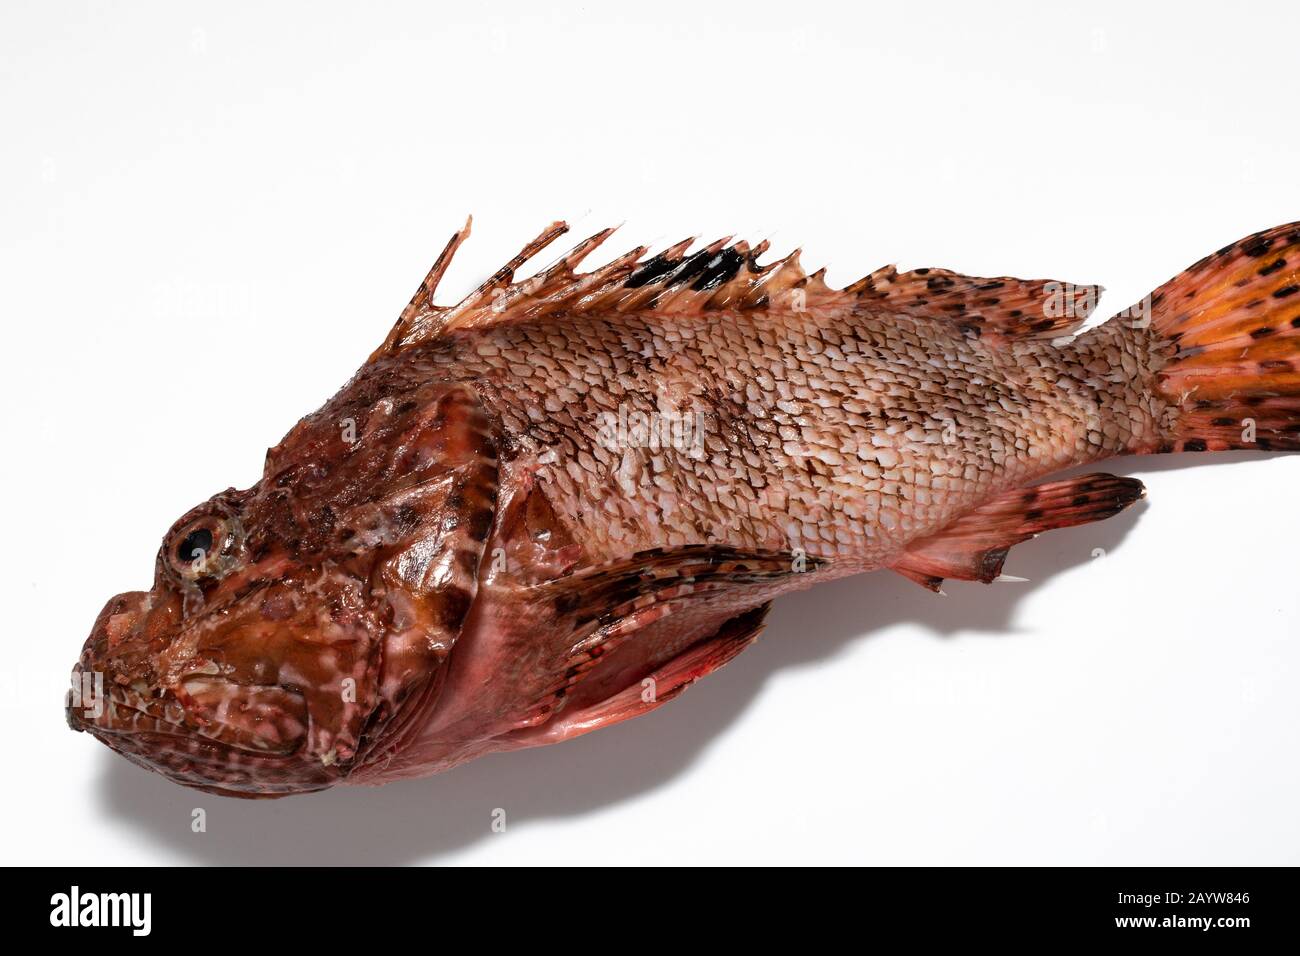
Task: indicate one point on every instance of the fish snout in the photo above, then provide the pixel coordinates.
(119, 620)
(203, 725)
(86, 701)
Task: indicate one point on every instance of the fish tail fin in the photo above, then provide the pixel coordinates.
(1226, 333)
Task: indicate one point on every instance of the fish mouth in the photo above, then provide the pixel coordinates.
(156, 731)
(268, 720)
(232, 739)
(197, 727)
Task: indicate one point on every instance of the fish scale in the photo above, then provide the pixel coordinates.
(848, 441)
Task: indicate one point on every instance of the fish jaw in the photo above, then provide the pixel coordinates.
(260, 683)
(184, 719)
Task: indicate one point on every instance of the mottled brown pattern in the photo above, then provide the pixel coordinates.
(823, 431)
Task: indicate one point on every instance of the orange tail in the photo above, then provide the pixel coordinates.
(1233, 321)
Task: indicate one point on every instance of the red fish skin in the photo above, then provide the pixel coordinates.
(552, 507)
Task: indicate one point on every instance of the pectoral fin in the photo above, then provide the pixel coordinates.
(657, 688)
(608, 606)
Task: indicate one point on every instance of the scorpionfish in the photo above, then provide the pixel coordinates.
(555, 505)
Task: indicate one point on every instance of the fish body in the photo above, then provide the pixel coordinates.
(555, 505)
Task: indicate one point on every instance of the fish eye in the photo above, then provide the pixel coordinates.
(200, 548)
(196, 546)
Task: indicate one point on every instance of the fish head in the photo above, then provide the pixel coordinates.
(293, 628)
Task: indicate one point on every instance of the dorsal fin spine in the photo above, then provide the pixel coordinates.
(725, 275)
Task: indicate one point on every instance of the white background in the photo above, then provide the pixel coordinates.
(210, 218)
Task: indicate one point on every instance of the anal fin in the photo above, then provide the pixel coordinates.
(974, 546)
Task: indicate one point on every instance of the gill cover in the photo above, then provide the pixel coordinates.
(429, 582)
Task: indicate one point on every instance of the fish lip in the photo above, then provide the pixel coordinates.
(222, 766)
(283, 702)
(169, 715)
(117, 710)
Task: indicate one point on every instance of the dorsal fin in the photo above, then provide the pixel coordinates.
(1004, 307)
(727, 275)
